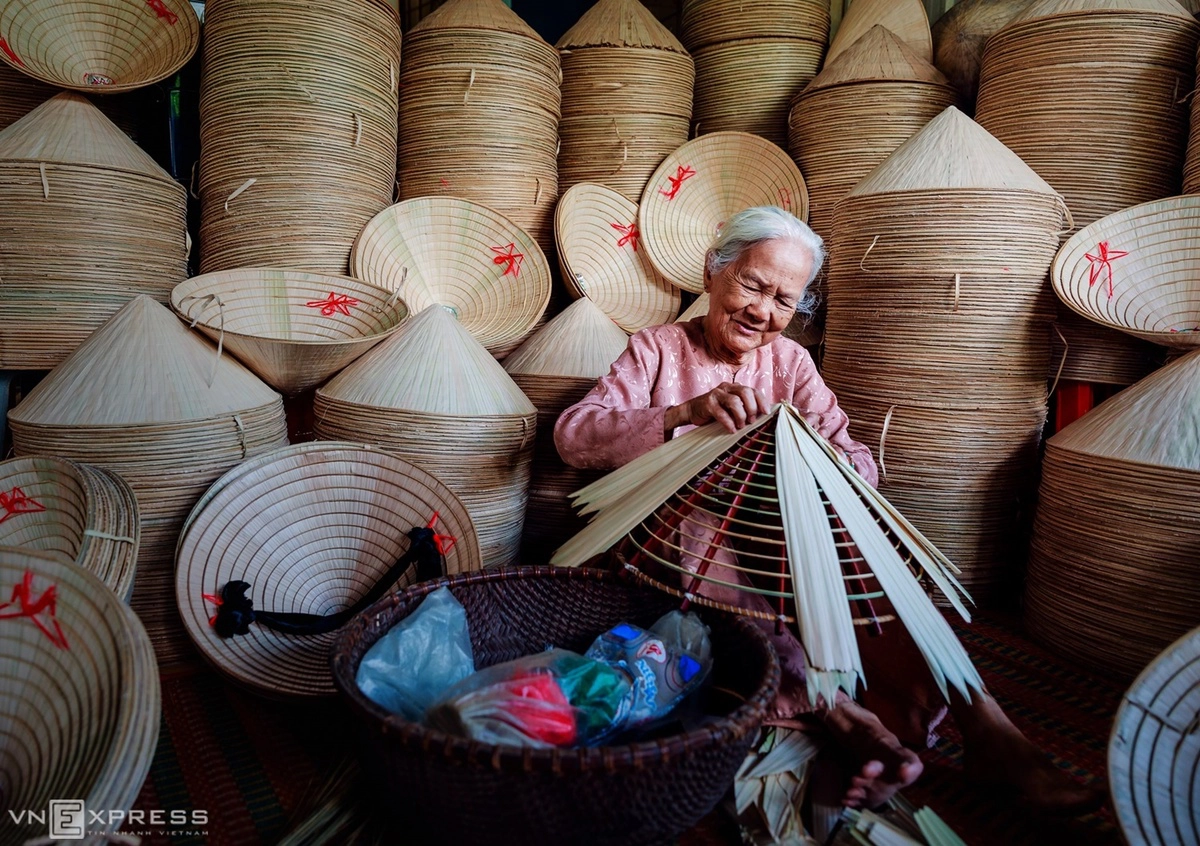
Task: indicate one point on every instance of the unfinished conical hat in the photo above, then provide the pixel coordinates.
(878, 56)
(906, 18)
(952, 152)
(432, 364)
(700, 186)
(619, 23)
(1050, 8)
(581, 342)
(768, 486)
(68, 129)
(599, 249)
(475, 14)
(1154, 422)
(1137, 270)
(452, 252)
(141, 367)
(105, 45)
(697, 309)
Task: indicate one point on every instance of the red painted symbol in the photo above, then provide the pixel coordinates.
(334, 304)
(444, 543)
(629, 235)
(1102, 263)
(45, 606)
(215, 600)
(785, 198)
(97, 79)
(654, 650)
(16, 502)
(8, 51)
(160, 9)
(445, 183)
(508, 255)
(682, 174)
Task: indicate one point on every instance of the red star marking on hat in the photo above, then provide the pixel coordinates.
(444, 543)
(45, 606)
(334, 304)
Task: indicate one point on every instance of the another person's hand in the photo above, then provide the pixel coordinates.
(733, 406)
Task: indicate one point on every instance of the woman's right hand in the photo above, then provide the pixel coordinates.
(733, 406)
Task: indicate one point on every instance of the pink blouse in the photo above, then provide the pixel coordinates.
(622, 417)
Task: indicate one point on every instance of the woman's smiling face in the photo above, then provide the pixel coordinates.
(752, 300)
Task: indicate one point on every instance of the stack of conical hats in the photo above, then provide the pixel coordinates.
(75, 511)
(432, 395)
(151, 400)
(80, 700)
(751, 59)
(958, 39)
(89, 221)
(936, 341)
(1113, 572)
(904, 18)
(297, 130)
(867, 102)
(1107, 130)
(479, 110)
(21, 94)
(1191, 162)
(626, 97)
(555, 369)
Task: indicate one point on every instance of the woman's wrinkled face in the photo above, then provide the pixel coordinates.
(754, 298)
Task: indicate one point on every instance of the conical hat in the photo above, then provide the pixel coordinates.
(619, 23)
(475, 14)
(432, 364)
(581, 342)
(67, 129)
(906, 18)
(1050, 8)
(952, 152)
(143, 366)
(877, 56)
(1155, 422)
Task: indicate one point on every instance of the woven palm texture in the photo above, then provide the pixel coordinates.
(959, 36)
(109, 45)
(1107, 131)
(1117, 514)
(555, 369)
(937, 336)
(479, 112)
(293, 328)
(156, 403)
(79, 694)
(311, 528)
(297, 130)
(626, 97)
(89, 220)
(751, 59)
(436, 398)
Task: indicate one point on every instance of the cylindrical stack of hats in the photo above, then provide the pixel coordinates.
(937, 341)
(297, 130)
(1107, 129)
(151, 400)
(555, 369)
(432, 395)
(959, 36)
(479, 110)
(1191, 162)
(1113, 572)
(626, 97)
(751, 59)
(865, 103)
(89, 221)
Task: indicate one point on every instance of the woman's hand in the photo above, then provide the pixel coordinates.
(733, 406)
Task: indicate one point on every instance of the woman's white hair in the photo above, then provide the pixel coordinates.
(767, 223)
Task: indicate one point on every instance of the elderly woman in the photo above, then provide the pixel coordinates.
(731, 366)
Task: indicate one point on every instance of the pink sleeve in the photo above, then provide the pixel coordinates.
(614, 423)
(820, 408)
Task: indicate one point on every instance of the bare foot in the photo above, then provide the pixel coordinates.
(885, 766)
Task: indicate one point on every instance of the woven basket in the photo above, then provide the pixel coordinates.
(640, 793)
(90, 222)
(294, 329)
(298, 127)
(110, 45)
(904, 18)
(1137, 271)
(1153, 750)
(79, 513)
(455, 253)
(79, 697)
(700, 186)
(312, 528)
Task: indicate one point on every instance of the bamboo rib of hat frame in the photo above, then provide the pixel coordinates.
(298, 123)
(79, 700)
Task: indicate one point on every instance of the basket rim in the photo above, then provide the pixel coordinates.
(510, 757)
